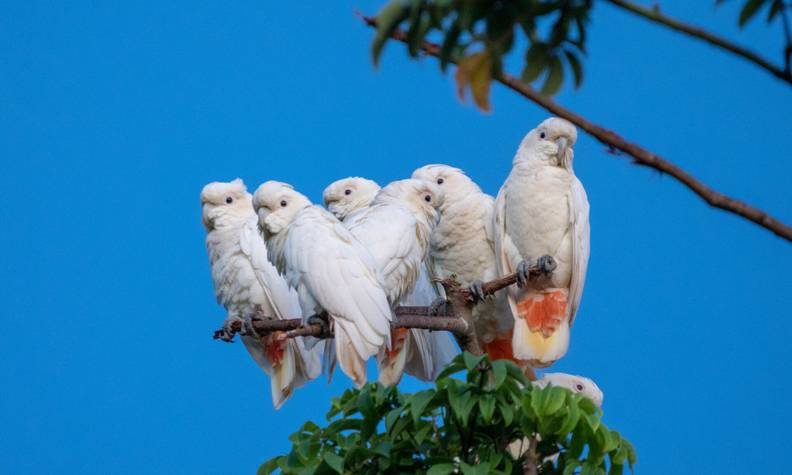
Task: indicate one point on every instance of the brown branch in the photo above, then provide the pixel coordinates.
(640, 155)
(655, 16)
(457, 317)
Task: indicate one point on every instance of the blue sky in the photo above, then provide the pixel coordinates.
(115, 115)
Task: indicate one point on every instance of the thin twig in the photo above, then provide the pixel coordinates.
(787, 36)
(655, 16)
(640, 155)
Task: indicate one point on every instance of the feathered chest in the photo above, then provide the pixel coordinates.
(459, 243)
(537, 208)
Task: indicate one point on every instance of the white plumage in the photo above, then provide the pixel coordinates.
(462, 245)
(246, 283)
(395, 228)
(542, 210)
(331, 271)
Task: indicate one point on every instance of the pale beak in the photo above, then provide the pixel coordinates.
(563, 146)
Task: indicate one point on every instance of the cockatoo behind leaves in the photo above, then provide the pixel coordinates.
(246, 283)
(577, 384)
(424, 354)
(462, 245)
(542, 217)
(331, 271)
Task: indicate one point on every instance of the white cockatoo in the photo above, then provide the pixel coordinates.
(422, 353)
(542, 218)
(349, 195)
(577, 384)
(395, 228)
(246, 283)
(463, 245)
(331, 271)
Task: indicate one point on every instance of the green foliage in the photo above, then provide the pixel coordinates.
(479, 33)
(751, 7)
(465, 424)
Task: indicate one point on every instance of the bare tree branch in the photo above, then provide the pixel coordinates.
(654, 15)
(455, 318)
(640, 155)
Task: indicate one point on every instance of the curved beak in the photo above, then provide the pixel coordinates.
(563, 146)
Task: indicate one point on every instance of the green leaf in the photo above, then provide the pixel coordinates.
(555, 399)
(554, 78)
(268, 467)
(487, 407)
(749, 10)
(449, 43)
(498, 372)
(775, 9)
(592, 420)
(471, 361)
(388, 20)
(572, 418)
(419, 402)
(535, 62)
(334, 461)
(441, 469)
(577, 69)
(507, 413)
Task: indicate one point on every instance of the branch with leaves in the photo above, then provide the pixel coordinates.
(476, 72)
(749, 10)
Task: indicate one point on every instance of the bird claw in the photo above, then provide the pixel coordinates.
(247, 328)
(228, 331)
(523, 273)
(436, 307)
(476, 290)
(546, 264)
(322, 322)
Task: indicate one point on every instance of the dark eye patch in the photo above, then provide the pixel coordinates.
(428, 198)
(542, 135)
(347, 192)
(440, 181)
(229, 200)
(283, 203)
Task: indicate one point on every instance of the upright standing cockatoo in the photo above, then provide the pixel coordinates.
(246, 283)
(420, 353)
(349, 196)
(462, 245)
(331, 270)
(542, 217)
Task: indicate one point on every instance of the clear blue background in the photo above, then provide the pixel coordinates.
(114, 115)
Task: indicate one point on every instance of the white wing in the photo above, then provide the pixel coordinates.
(389, 233)
(341, 276)
(581, 239)
(282, 298)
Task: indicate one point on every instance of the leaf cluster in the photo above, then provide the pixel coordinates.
(482, 417)
(477, 34)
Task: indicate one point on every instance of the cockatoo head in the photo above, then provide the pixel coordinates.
(576, 384)
(276, 205)
(453, 181)
(224, 203)
(550, 143)
(420, 196)
(348, 195)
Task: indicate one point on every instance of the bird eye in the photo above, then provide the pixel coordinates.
(229, 200)
(579, 387)
(428, 198)
(542, 135)
(440, 181)
(347, 192)
(283, 203)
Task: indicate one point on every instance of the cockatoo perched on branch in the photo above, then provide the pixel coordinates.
(542, 217)
(462, 245)
(349, 195)
(395, 228)
(331, 270)
(426, 353)
(246, 283)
